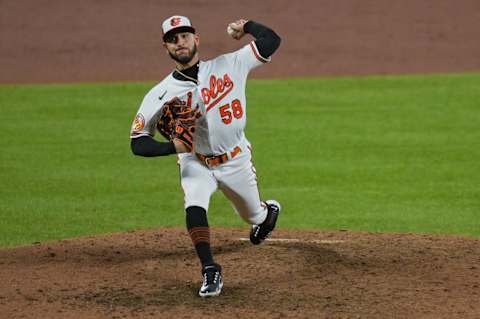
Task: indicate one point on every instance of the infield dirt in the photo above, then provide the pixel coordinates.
(155, 274)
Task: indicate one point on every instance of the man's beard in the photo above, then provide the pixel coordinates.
(184, 59)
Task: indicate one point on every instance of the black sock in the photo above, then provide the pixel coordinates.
(197, 225)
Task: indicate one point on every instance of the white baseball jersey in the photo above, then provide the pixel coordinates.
(219, 98)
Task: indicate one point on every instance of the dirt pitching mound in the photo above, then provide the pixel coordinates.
(155, 274)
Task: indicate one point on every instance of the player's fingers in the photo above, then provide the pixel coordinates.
(235, 26)
(242, 22)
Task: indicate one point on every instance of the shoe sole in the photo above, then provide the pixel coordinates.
(211, 294)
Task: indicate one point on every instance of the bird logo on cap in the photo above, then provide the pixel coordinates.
(175, 21)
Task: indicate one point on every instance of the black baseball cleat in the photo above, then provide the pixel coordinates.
(260, 232)
(212, 281)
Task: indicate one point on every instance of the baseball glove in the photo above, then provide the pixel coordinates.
(177, 122)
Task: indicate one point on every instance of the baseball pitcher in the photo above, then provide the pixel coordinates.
(201, 109)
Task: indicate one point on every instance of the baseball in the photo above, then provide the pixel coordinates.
(230, 30)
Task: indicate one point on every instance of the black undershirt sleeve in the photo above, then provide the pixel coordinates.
(266, 40)
(148, 147)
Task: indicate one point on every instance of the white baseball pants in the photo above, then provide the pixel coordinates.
(236, 178)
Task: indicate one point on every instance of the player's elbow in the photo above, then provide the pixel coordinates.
(269, 44)
(273, 39)
(276, 41)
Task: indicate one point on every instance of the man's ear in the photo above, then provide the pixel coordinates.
(197, 39)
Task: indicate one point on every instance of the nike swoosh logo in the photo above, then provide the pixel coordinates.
(161, 97)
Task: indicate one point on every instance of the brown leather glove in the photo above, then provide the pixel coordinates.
(177, 122)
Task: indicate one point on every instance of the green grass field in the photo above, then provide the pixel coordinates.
(386, 154)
